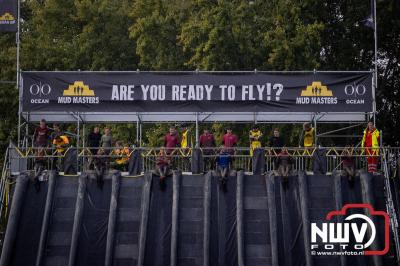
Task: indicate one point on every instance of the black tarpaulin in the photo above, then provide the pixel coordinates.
(135, 163)
(70, 162)
(158, 240)
(28, 233)
(258, 161)
(197, 161)
(93, 235)
(292, 237)
(319, 161)
(223, 235)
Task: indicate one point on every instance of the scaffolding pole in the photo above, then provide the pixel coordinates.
(18, 72)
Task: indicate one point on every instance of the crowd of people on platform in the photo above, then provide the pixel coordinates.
(215, 157)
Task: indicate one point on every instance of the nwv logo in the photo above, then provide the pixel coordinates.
(357, 231)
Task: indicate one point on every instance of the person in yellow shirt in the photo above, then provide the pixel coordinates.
(255, 139)
(308, 135)
(121, 163)
(308, 142)
(370, 142)
(60, 143)
(185, 138)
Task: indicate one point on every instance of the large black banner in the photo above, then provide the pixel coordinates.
(197, 92)
(8, 15)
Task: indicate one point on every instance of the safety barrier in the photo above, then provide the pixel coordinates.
(181, 159)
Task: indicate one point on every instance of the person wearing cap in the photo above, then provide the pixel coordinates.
(370, 142)
(255, 136)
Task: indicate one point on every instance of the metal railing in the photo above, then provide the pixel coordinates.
(181, 159)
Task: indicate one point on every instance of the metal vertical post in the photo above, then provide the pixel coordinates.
(18, 81)
(376, 62)
(137, 131)
(140, 134)
(77, 143)
(197, 130)
(315, 129)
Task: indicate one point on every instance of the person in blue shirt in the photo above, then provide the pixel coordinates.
(223, 161)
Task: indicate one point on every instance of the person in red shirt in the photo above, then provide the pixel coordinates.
(229, 140)
(41, 135)
(207, 143)
(41, 138)
(162, 166)
(171, 140)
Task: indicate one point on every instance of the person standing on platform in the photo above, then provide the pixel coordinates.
(106, 140)
(255, 139)
(56, 132)
(207, 143)
(94, 139)
(229, 140)
(370, 142)
(171, 140)
(41, 135)
(276, 141)
(308, 142)
(171, 143)
(186, 141)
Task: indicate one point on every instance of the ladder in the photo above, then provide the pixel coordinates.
(390, 209)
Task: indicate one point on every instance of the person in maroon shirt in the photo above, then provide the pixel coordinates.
(171, 140)
(41, 135)
(229, 140)
(207, 143)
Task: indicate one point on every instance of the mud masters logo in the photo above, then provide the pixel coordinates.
(316, 93)
(7, 19)
(78, 93)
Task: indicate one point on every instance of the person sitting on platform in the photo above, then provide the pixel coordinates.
(100, 166)
(60, 143)
(207, 143)
(163, 163)
(283, 164)
(349, 164)
(223, 161)
(255, 139)
(229, 140)
(121, 163)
